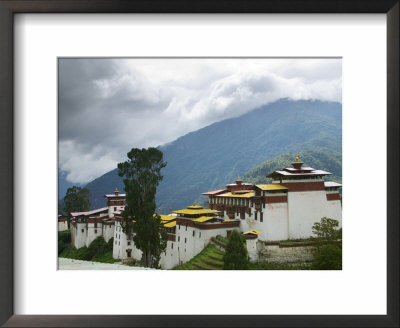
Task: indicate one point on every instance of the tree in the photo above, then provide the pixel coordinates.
(76, 199)
(142, 174)
(235, 257)
(327, 229)
(328, 253)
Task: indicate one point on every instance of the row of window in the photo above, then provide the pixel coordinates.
(229, 201)
(83, 230)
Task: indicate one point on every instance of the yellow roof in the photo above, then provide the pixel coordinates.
(252, 232)
(167, 217)
(195, 206)
(245, 195)
(195, 211)
(203, 219)
(170, 224)
(228, 220)
(271, 187)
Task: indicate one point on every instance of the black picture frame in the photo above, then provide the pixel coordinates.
(10, 7)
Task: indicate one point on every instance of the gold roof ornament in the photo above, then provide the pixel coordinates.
(238, 181)
(297, 163)
(252, 232)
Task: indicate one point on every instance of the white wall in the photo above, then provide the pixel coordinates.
(305, 208)
(170, 258)
(111, 210)
(80, 235)
(62, 225)
(276, 222)
(93, 233)
(108, 232)
(251, 245)
(119, 249)
(334, 210)
(194, 244)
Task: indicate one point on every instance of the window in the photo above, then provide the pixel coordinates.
(129, 243)
(261, 217)
(179, 238)
(193, 232)
(115, 242)
(83, 230)
(199, 234)
(186, 227)
(115, 208)
(179, 227)
(95, 224)
(185, 240)
(119, 243)
(95, 230)
(255, 215)
(172, 245)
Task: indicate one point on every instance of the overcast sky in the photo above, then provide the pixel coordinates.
(108, 106)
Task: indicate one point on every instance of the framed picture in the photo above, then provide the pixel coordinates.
(21, 273)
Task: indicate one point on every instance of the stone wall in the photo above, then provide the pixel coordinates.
(281, 253)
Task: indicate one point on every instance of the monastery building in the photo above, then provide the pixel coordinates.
(285, 209)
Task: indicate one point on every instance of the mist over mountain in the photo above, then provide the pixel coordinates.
(215, 155)
(64, 184)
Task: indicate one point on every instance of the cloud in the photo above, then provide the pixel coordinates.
(108, 106)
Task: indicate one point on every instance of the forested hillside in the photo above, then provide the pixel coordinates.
(330, 161)
(214, 156)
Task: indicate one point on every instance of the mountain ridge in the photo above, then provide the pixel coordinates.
(215, 155)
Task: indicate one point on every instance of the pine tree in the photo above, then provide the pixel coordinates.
(142, 174)
(235, 257)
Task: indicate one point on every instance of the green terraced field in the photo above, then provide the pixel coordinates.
(208, 259)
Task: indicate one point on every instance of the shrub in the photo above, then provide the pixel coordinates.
(328, 257)
(110, 244)
(64, 237)
(64, 240)
(97, 247)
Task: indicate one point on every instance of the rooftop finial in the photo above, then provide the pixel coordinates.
(238, 181)
(116, 192)
(194, 203)
(297, 163)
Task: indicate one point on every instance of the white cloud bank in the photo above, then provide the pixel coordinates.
(108, 106)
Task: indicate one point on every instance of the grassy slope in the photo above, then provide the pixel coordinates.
(208, 259)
